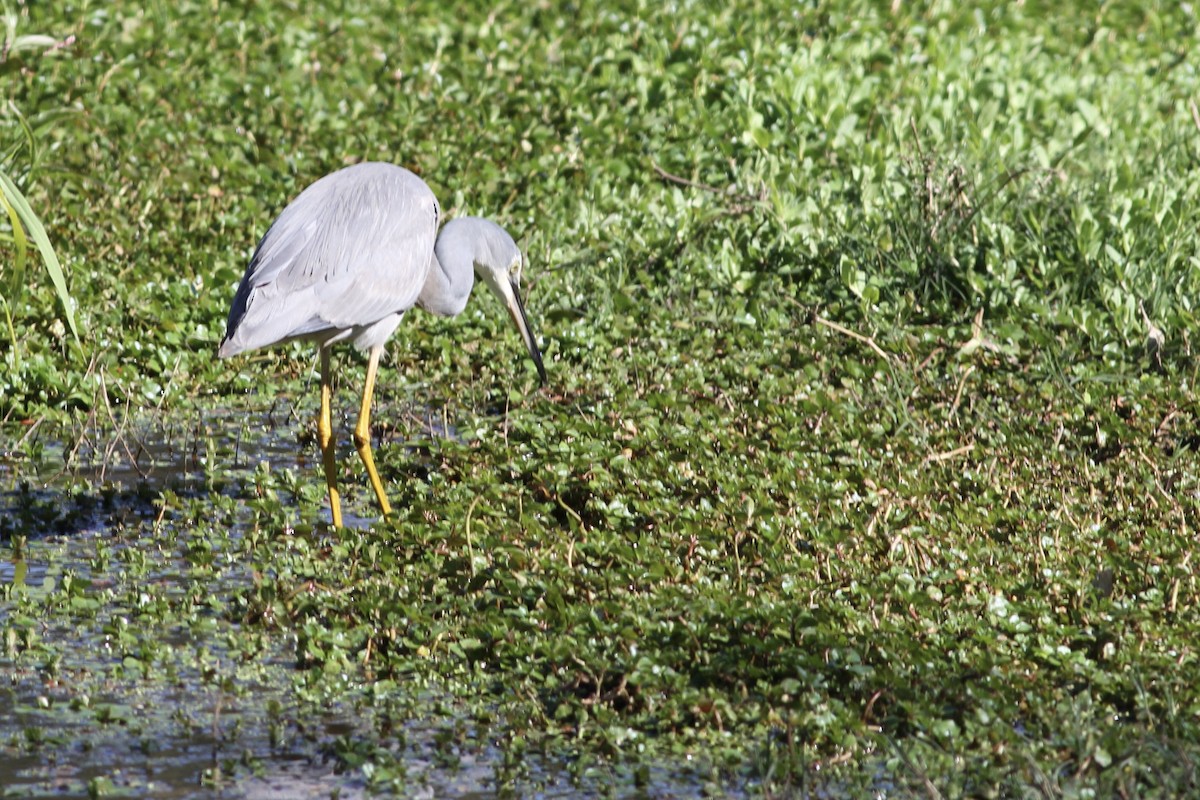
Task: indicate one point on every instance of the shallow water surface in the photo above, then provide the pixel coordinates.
(123, 672)
(80, 713)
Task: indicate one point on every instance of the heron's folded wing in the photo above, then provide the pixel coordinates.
(353, 248)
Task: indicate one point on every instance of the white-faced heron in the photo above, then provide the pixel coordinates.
(345, 260)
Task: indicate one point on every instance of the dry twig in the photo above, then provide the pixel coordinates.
(867, 340)
(949, 454)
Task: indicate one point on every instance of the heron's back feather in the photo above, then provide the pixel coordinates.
(353, 248)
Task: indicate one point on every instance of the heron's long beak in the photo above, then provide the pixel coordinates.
(516, 309)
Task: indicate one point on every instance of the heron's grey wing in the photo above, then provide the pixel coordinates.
(376, 254)
(353, 248)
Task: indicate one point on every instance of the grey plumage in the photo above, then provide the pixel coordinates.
(354, 248)
(345, 261)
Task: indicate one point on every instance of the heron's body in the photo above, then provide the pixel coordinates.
(345, 261)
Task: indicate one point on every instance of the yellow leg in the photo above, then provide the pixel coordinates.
(325, 439)
(362, 431)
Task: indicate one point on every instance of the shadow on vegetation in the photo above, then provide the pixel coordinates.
(110, 479)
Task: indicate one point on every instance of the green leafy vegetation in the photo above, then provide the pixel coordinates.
(24, 223)
(868, 460)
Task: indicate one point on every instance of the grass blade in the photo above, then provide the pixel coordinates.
(14, 198)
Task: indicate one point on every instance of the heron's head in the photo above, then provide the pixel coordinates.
(498, 263)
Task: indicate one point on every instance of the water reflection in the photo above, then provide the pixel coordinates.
(84, 712)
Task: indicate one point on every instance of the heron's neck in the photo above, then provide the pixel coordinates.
(451, 276)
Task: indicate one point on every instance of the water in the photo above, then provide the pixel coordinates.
(199, 716)
(208, 745)
(181, 737)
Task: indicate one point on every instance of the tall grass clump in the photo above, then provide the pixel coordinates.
(20, 224)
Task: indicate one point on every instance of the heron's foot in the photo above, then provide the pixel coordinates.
(329, 460)
(362, 442)
(335, 507)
